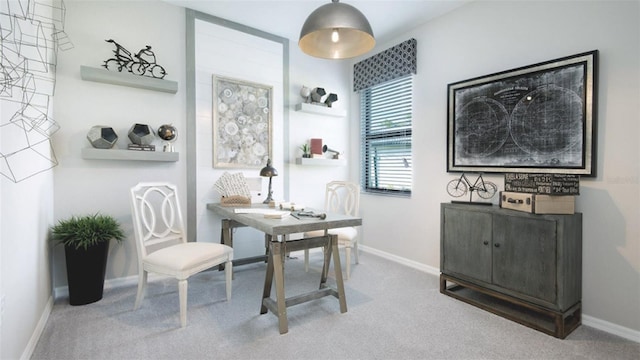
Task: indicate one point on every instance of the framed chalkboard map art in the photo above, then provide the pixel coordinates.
(537, 118)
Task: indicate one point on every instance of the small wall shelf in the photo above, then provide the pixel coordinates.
(119, 154)
(320, 110)
(320, 162)
(126, 79)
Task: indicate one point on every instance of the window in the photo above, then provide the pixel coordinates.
(385, 115)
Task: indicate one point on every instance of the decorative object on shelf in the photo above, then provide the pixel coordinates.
(317, 94)
(168, 133)
(330, 99)
(539, 117)
(86, 246)
(269, 171)
(316, 146)
(102, 137)
(336, 154)
(305, 92)
(242, 123)
(149, 147)
(549, 184)
(143, 63)
(306, 150)
(141, 134)
(460, 186)
(336, 31)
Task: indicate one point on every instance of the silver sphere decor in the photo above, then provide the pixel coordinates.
(102, 137)
(168, 133)
(141, 134)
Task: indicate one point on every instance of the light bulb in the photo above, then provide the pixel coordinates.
(335, 37)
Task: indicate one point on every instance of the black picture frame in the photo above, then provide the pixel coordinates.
(538, 118)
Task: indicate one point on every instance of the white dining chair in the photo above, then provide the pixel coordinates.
(162, 245)
(341, 197)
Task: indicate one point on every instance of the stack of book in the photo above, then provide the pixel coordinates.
(142, 147)
(540, 193)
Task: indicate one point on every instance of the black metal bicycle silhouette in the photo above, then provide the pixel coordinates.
(143, 63)
(459, 187)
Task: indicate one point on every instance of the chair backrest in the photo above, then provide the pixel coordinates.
(342, 197)
(157, 220)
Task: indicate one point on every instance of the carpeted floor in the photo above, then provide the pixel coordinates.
(394, 312)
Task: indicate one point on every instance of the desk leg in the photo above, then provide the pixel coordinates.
(278, 267)
(268, 279)
(333, 247)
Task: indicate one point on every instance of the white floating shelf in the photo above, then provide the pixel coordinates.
(127, 79)
(119, 154)
(320, 110)
(320, 162)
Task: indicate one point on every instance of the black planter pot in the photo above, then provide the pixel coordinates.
(85, 272)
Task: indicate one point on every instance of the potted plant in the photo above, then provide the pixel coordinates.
(305, 150)
(86, 244)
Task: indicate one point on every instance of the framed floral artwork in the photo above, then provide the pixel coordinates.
(242, 123)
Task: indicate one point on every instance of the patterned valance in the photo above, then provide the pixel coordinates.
(390, 64)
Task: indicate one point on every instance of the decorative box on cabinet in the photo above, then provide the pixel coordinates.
(524, 267)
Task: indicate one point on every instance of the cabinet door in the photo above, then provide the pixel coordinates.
(524, 256)
(467, 244)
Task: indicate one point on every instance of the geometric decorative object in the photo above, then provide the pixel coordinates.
(317, 94)
(31, 34)
(102, 137)
(336, 31)
(141, 134)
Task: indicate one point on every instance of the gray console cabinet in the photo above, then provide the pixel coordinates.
(525, 267)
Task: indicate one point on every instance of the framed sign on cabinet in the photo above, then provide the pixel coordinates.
(537, 118)
(242, 123)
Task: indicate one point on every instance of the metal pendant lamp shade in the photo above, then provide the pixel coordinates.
(336, 31)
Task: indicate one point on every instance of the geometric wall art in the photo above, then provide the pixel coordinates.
(31, 33)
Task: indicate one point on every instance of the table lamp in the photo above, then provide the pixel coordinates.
(268, 171)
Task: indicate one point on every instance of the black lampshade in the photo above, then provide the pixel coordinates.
(268, 171)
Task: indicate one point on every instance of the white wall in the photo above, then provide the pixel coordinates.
(87, 186)
(487, 37)
(245, 57)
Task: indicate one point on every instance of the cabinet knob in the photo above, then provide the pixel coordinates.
(496, 245)
(485, 242)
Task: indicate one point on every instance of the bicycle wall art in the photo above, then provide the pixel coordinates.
(142, 63)
(462, 185)
(538, 118)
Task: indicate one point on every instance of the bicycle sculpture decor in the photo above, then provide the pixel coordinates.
(460, 186)
(143, 63)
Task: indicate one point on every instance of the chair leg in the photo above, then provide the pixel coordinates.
(347, 259)
(228, 275)
(142, 288)
(355, 249)
(306, 260)
(182, 291)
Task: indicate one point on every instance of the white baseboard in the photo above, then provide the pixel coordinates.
(587, 320)
(611, 328)
(37, 332)
(404, 261)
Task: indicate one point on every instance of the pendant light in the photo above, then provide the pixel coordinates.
(336, 31)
